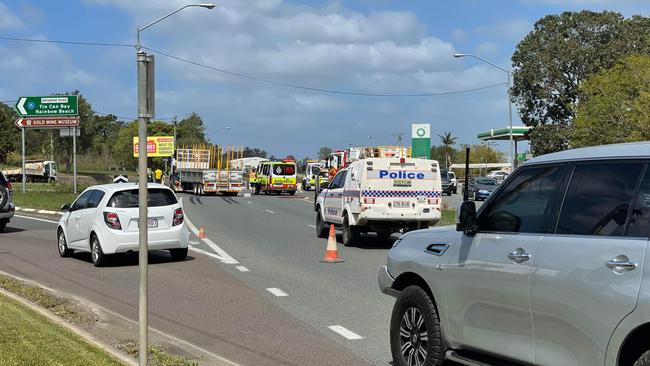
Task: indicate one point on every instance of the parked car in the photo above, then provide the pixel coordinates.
(499, 175)
(481, 188)
(103, 220)
(551, 270)
(7, 207)
(447, 184)
(454, 182)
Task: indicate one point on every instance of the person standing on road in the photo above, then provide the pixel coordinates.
(158, 174)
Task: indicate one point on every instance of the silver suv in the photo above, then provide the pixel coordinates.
(551, 270)
(7, 207)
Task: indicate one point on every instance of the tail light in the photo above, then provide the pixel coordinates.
(112, 220)
(369, 200)
(9, 186)
(402, 160)
(178, 217)
(432, 201)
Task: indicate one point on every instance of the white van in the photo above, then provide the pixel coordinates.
(382, 195)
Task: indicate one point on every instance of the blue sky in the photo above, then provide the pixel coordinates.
(372, 46)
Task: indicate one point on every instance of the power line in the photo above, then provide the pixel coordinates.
(255, 78)
(329, 91)
(101, 44)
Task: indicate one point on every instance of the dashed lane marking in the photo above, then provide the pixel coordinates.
(242, 269)
(312, 226)
(250, 203)
(269, 211)
(347, 334)
(277, 292)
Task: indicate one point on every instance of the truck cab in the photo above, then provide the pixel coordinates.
(312, 171)
(381, 195)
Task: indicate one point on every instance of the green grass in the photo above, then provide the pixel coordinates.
(28, 338)
(448, 217)
(42, 200)
(157, 355)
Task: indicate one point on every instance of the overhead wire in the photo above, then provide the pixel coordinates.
(255, 78)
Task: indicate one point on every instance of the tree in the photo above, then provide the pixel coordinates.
(254, 152)
(448, 141)
(482, 153)
(324, 152)
(615, 105)
(553, 60)
(191, 131)
(10, 134)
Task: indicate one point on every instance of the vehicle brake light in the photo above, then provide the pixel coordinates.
(112, 220)
(9, 186)
(402, 160)
(369, 200)
(178, 217)
(432, 201)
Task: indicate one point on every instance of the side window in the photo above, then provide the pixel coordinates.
(82, 201)
(640, 216)
(598, 199)
(337, 181)
(524, 205)
(95, 198)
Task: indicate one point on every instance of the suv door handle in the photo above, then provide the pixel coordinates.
(621, 263)
(519, 255)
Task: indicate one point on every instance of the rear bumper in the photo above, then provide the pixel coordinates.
(380, 213)
(7, 212)
(117, 241)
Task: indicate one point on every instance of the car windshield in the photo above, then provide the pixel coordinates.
(129, 198)
(486, 182)
(284, 169)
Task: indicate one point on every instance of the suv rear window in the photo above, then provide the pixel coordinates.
(129, 199)
(3, 181)
(284, 169)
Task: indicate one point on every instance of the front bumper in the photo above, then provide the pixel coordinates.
(386, 282)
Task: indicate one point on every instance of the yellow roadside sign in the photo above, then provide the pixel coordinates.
(157, 146)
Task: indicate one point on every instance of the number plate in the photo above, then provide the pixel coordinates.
(401, 204)
(402, 183)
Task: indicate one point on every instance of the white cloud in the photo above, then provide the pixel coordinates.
(78, 76)
(459, 35)
(510, 30)
(487, 48)
(9, 20)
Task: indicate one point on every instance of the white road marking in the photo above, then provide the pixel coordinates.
(250, 203)
(221, 254)
(344, 332)
(37, 219)
(269, 211)
(242, 269)
(194, 242)
(28, 209)
(277, 292)
(312, 226)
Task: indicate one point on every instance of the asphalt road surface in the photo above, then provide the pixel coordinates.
(194, 300)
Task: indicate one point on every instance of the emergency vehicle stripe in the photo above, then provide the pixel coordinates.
(382, 193)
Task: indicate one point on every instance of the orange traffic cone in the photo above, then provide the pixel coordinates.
(332, 252)
(201, 232)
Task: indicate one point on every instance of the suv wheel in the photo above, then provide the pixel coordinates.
(350, 234)
(644, 360)
(63, 245)
(96, 252)
(4, 196)
(415, 333)
(321, 228)
(178, 254)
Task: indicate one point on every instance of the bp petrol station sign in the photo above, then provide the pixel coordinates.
(421, 140)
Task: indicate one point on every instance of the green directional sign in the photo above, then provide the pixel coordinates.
(50, 106)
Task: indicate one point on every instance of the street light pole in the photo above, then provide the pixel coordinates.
(145, 112)
(512, 145)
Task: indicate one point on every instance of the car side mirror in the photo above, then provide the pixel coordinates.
(65, 207)
(466, 218)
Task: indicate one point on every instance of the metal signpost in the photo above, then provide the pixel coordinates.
(49, 112)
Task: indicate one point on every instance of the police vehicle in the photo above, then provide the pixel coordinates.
(381, 195)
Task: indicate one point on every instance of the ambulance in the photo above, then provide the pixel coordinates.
(276, 177)
(312, 171)
(381, 195)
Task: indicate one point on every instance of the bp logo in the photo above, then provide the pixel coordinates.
(420, 132)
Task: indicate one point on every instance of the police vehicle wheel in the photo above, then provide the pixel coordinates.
(350, 234)
(321, 228)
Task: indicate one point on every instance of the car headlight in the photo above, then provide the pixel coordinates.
(483, 191)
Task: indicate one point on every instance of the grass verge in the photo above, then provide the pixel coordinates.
(28, 338)
(44, 196)
(448, 217)
(157, 355)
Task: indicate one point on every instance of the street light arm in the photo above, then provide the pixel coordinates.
(207, 6)
(482, 59)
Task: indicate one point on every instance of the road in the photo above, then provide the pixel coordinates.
(194, 300)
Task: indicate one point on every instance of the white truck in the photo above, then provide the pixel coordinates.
(35, 171)
(193, 171)
(382, 195)
(226, 182)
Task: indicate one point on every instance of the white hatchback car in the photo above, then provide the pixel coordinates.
(103, 220)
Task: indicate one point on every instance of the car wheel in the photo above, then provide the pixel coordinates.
(321, 229)
(63, 245)
(644, 360)
(350, 234)
(4, 196)
(415, 333)
(96, 252)
(178, 254)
